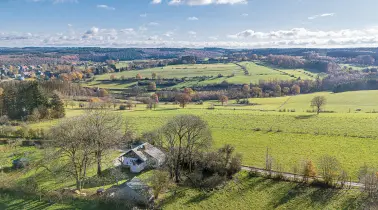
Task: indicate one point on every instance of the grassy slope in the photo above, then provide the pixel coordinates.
(12, 200)
(179, 71)
(257, 73)
(297, 139)
(259, 193)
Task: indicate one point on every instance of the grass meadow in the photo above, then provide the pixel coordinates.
(291, 136)
(256, 73)
(259, 193)
(347, 134)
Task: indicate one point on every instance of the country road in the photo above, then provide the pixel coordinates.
(291, 176)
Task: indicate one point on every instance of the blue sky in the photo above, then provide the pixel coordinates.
(189, 23)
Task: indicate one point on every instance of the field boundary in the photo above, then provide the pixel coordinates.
(292, 176)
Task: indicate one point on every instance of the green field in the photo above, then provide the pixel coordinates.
(11, 199)
(356, 67)
(349, 135)
(292, 136)
(179, 71)
(259, 193)
(256, 74)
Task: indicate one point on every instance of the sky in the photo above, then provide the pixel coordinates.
(189, 23)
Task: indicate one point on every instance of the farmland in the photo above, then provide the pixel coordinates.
(291, 136)
(217, 73)
(259, 193)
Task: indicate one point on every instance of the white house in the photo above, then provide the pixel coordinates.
(141, 157)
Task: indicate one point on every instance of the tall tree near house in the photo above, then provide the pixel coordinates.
(183, 136)
(223, 99)
(159, 182)
(318, 102)
(106, 133)
(57, 106)
(73, 148)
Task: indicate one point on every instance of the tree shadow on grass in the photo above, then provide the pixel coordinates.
(8, 169)
(296, 191)
(304, 117)
(108, 177)
(174, 196)
(29, 204)
(166, 109)
(323, 196)
(199, 198)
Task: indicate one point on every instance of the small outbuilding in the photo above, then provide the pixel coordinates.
(135, 190)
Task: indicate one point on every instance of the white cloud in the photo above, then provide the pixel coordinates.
(153, 24)
(156, 2)
(321, 15)
(143, 28)
(155, 37)
(128, 30)
(168, 34)
(129, 37)
(193, 18)
(206, 2)
(143, 15)
(92, 31)
(213, 37)
(192, 33)
(103, 6)
(244, 15)
(69, 25)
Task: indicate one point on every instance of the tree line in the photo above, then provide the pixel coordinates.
(25, 100)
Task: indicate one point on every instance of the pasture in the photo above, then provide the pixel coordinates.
(217, 73)
(259, 193)
(291, 136)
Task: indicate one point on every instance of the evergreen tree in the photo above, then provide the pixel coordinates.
(57, 106)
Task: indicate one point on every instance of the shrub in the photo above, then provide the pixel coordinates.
(122, 107)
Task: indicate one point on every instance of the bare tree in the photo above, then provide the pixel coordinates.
(74, 148)
(329, 168)
(268, 162)
(308, 170)
(223, 99)
(105, 128)
(318, 102)
(183, 99)
(183, 136)
(370, 180)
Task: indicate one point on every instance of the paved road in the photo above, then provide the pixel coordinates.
(290, 176)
